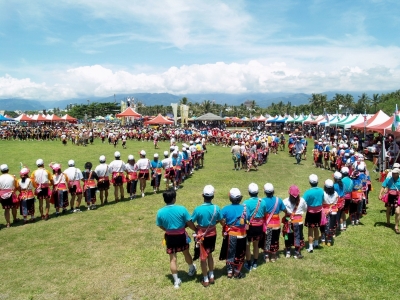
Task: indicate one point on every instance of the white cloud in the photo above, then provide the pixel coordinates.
(220, 77)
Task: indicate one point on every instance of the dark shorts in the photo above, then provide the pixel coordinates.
(255, 233)
(8, 203)
(145, 176)
(118, 181)
(313, 219)
(44, 193)
(103, 185)
(176, 243)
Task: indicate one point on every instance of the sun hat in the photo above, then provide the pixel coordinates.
(102, 158)
(337, 175)
(166, 153)
(294, 191)
(117, 154)
(131, 157)
(71, 163)
(313, 178)
(39, 162)
(253, 188)
(156, 155)
(268, 188)
(208, 191)
(345, 170)
(24, 171)
(3, 167)
(329, 183)
(235, 193)
(142, 152)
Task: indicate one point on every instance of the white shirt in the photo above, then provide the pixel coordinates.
(143, 164)
(73, 173)
(117, 166)
(7, 182)
(131, 168)
(102, 170)
(330, 199)
(167, 163)
(301, 209)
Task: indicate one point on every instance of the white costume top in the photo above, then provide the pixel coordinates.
(117, 166)
(301, 209)
(73, 173)
(102, 170)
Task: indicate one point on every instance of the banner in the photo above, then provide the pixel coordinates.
(184, 114)
(175, 111)
(123, 107)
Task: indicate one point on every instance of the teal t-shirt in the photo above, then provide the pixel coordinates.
(173, 217)
(204, 214)
(270, 204)
(391, 184)
(347, 184)
(251, 205)
(232, 214)
(314, 197)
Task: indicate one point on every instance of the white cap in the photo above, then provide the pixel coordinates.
(253, 188)
(24, 171)
(396, 165)
(351, 151)
(236, 142)
(183, 148)
(396, 171)
(345, 170)
(337, 175)
(268, 188)
(142, 152)
(155, 154)
(361, 167)
(235, 193)
(313, 178)
(172, 148)
(329, 183)
(102, 158)
(39, 162)
(131, 157)
(117, 154)
(3, 167)
(208, 190)
(71, 163)
(166, 153)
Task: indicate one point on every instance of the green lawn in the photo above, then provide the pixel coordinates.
(116, 252)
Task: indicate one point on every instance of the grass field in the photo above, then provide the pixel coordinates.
(116, 252)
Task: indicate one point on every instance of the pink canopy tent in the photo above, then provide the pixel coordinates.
(381, 128)
(23, 118)
(261, 119)
(68, 118)
(129, 112)
(54, 118)
(158, 121)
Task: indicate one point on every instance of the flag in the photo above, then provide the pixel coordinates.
(396, 120)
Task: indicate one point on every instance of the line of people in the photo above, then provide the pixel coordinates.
(257, 223)
(56, 186)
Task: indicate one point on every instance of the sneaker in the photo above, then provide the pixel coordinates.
(142, 195)
(266, 258)
(310, 250)
(254, 266)
(93, 206)
(352, 223)
(247, 267)
(77, 210)
(72, 210)
(192, 270)
(298, 256)
(88, 208)
(177, 283)
(357, 222)
(287, 254)
(329, 244)
(211, 280)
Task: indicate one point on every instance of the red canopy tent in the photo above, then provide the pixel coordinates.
(129, 112)
(236, 120)
(158, 121)
(54, 118)
(261, 119)
(39, 118)
(377, 119)
(68, 118)
(315, 122)
(23, 118)
(381, 128)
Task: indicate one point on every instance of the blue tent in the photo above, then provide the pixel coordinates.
(3, 118)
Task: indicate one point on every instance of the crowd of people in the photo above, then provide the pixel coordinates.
(65, 189)
(256, 224)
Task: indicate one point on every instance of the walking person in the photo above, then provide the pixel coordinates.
(390, 189)
(169, 171)
(298, 149)
(329, 209)
(156, 167)
(206, 216)
(173, 219)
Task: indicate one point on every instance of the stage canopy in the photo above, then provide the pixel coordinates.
(159, 120)
(129, 113)
(210, 117)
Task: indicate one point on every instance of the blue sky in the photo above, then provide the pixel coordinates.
(75, 48)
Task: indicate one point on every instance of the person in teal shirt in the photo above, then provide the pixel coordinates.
(348, 188)
(391, 186)
(274, 205)
(257, 210)
(206, 216)
(156, 167)
(314, 198)
(173, 219)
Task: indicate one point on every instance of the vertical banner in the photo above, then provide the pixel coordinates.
(175, 111)
(184, 114)
(123, 107)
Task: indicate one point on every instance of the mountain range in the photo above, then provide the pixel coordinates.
(150, 99)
